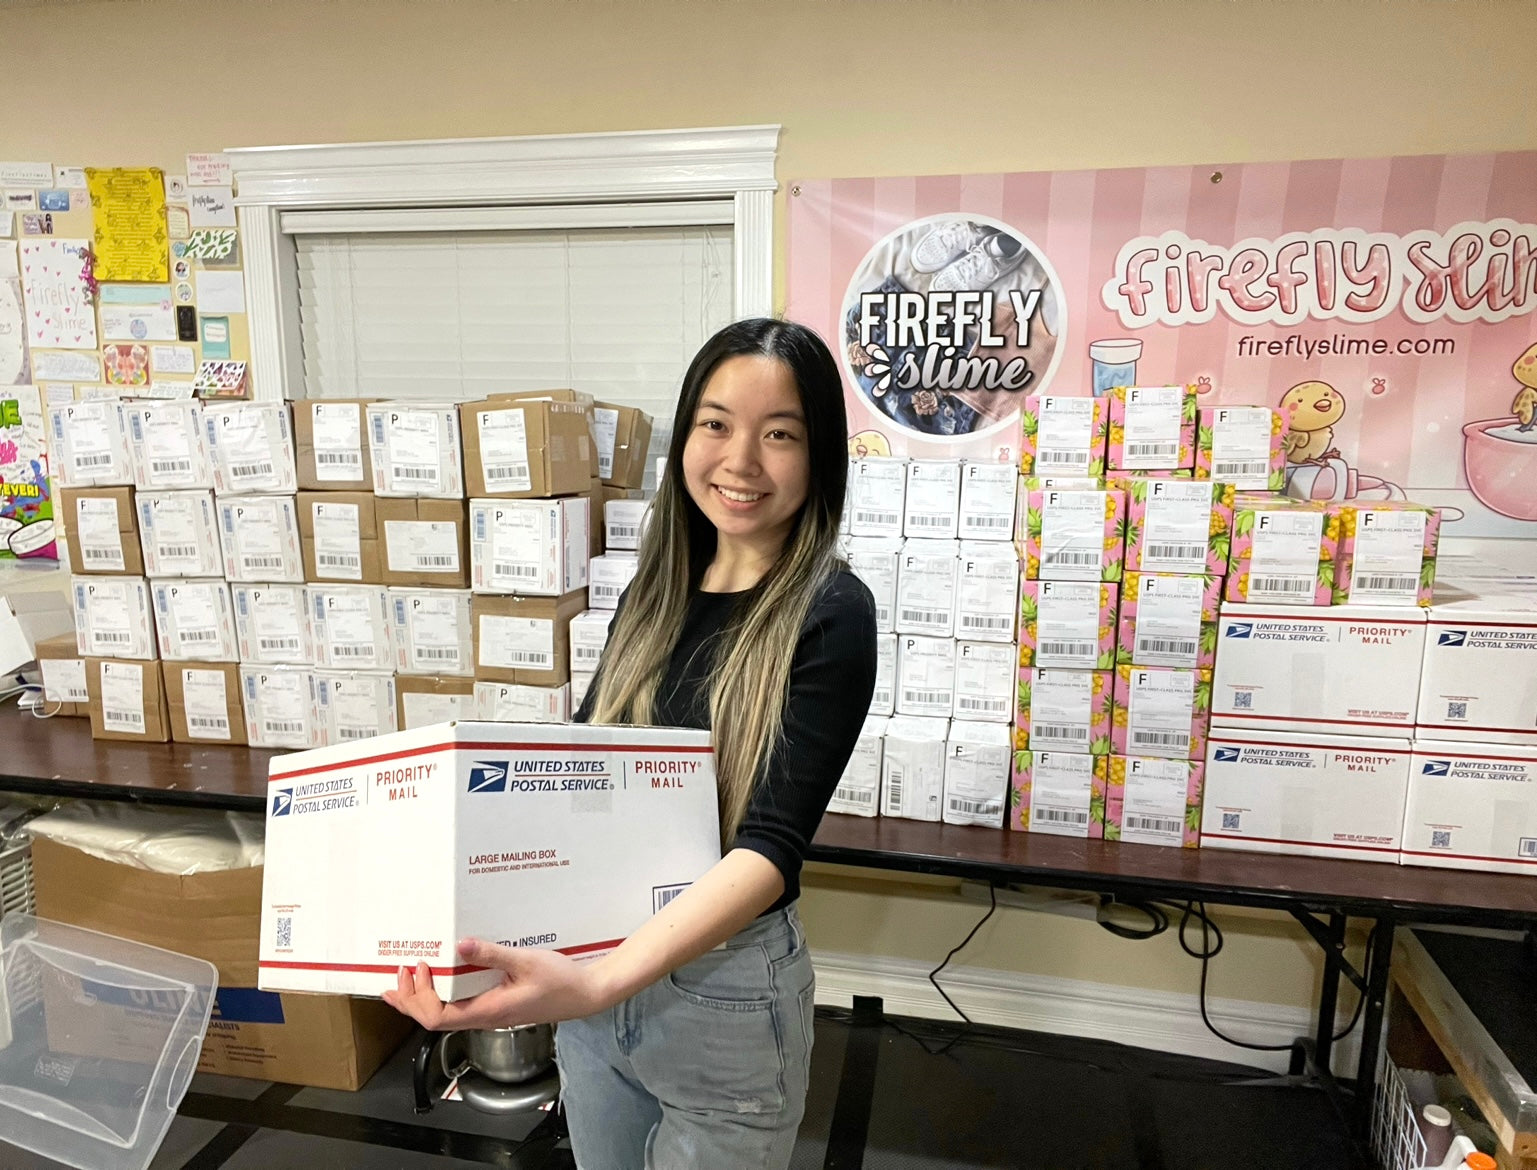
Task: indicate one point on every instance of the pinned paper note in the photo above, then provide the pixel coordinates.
(178, 222)
(210, 244)
(26, 501)
(137, 312)
(70, 178)
(172, 359)
(129, 210)
(65, 367)
(176, 188)
(220, 292)
(208, 170)
(220, 380)
(7, 224)
(126, 365)
(37, 223)
(23, 174)
(13, 324)
(57, 294)
(211, 207)
(20, 200)
(183, 293)
(216, 337)
(54, 200)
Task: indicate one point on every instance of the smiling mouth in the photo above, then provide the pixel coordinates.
(1323, 404)
(737, 497)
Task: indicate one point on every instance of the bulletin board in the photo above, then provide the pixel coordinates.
(114, 282)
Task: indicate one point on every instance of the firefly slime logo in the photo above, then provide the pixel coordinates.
(948, 321)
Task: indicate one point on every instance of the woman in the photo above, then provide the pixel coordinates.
(690, 1044)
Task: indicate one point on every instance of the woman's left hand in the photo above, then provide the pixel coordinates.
(537, 987)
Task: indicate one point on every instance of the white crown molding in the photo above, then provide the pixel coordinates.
(735, 163)
(643, 164)
(1161, 1020)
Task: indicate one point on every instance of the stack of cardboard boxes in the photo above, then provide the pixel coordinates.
(308, 580)
(931, 539)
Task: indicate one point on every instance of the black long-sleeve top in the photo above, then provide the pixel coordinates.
(832, 679)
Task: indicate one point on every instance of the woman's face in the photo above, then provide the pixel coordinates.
(746, 463)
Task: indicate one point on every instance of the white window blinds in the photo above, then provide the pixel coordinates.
(453, 315)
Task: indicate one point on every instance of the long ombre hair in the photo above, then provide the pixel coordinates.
(751, 672)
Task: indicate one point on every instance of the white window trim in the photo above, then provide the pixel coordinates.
(640, 167)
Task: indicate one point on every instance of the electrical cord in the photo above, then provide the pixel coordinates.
(992, 894)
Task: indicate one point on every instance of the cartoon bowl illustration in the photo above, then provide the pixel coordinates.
(1499, 459)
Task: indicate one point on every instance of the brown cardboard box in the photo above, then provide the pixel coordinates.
(594, 494)
(304, 449)
(63, 668)
(199, 675)
(562, 395)
(152, 710)
(632, 439)
(328, 1041)
(127, 530)
(415, 695)
(369, 567)
(561, 456)
(537, 655)
(414, 553)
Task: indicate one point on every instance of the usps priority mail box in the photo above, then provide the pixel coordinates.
(387, 851)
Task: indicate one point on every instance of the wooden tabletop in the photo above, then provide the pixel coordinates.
(59, 757)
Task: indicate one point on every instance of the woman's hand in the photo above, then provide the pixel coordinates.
(537, 987)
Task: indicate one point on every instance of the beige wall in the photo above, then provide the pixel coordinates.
(861, 88)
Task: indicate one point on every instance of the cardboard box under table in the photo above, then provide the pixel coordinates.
(539, 835)
(328, 1041)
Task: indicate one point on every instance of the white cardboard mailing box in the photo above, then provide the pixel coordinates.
(987, 500)
(1472, 806)
(1310, 795)
(1347, 669)
(529, 546)
(1480, 673)
(977, 759)
(913, 767)
(859, 788)
(876, 497)
(874, 560)
(933, 499)
(560, 837)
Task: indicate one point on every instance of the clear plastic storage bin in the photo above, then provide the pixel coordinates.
(99, 1038)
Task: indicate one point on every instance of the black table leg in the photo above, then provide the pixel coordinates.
(1329, 993)
(1371, 1021)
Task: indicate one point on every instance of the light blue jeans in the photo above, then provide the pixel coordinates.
(706, 1069)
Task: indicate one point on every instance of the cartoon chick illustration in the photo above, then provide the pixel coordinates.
(868, 443)
(1312, 409)
(1525, 405)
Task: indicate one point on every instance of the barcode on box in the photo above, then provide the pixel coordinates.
(975, 807)
(623, 531)
(1382, 584)
(864, 797)
(356, 732)
(1457, 710)
(285, 938)
(417, 473)
(1070, 556)
(352, 650)
(1297, 585)
(1001, 523)
(438, 653)
(530, 658)
(1073, 650)
(1246, 468)
(277, 644)
(586, 653)
(509, 569)
(1065, 458)
(1173, 739)
(249, 470)
(178, 552)
(1180, 646)
(1232, 822)
(1059, 731)
(113, 637)
(1440, 838)
(926, 617)
(930, 520)
(1243, 700)
(132, 718)
(662, 895)
(338, 459)
(85, 462)
(103, 554)
(282, 726)
(436, 561)
(254, 564)
(993, 706)
(1526, 847)
(926, 698)
(979, 621)
(338, 561)
(168, 466)
(884, 519)
(606, 591)
(1060, 816)
(206, 723)
(203, 635)
(895, 775)
(1175, 552)
(506, 471)
(1153, 824)
(1148, 450)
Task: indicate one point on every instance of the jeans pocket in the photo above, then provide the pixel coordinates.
(737, 979)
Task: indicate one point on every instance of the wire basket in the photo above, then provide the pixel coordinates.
(1397, 1143)
(17, 893)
